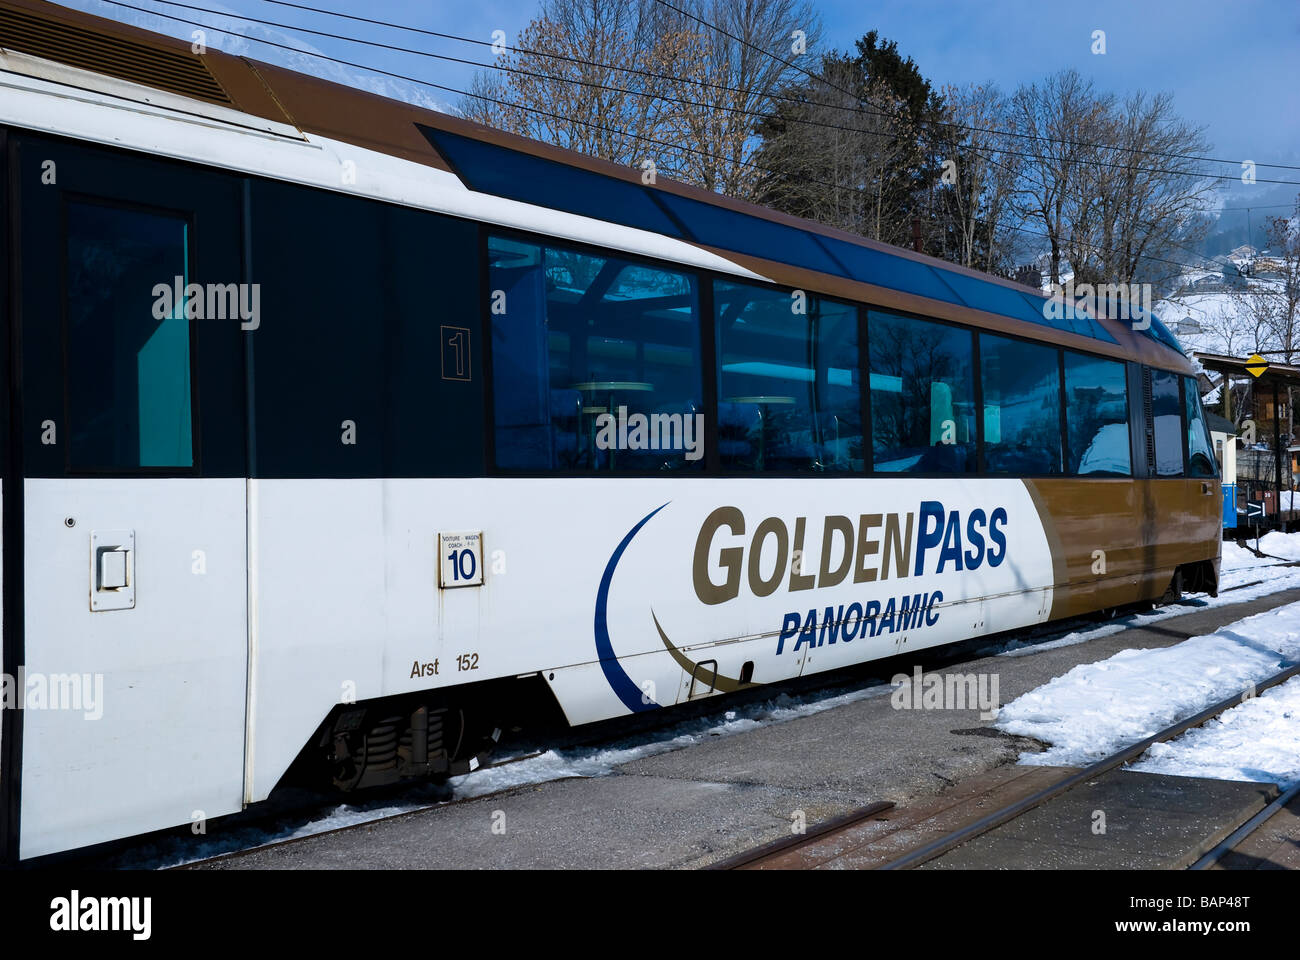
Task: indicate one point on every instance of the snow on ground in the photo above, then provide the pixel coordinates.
(1259, 740)
(1275, 546)
(1284, 545)
(1097, 708)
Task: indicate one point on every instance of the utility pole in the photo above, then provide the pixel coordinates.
(1277, 452)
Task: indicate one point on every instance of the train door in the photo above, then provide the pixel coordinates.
(134, 586)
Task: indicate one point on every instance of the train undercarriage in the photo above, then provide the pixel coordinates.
(430, 735)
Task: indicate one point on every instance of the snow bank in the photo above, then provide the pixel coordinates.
(1259, 740)
(1284, 545)
(1098, 708)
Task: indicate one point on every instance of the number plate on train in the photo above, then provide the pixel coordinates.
(460, 560)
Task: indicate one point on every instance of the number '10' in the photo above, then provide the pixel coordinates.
(458, 560)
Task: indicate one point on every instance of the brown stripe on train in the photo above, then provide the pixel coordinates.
(1145, 529)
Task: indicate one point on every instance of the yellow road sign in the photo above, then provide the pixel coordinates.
(1256, 365)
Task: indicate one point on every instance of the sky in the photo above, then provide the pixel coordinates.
(1233, 68)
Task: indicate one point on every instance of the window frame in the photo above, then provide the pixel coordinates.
(716, 467)
(1065, 417)
(977, 393)
(1061, 409)
(705, 326)
(195, 469)
(1184, 381)
(1150, 386)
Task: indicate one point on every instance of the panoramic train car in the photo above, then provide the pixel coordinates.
(343, 435)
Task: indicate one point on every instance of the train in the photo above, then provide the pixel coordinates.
(343, 435)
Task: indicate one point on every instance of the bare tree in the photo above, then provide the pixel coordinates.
(731, 74)
(567, 89)
(1137, 203)
(1062, 112)
(980, 174)
(633, 81)
(1281, 298)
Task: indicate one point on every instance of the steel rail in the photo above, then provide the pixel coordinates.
(1233, 840)
(748, 858)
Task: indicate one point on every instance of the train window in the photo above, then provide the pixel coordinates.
(1167, 421)
(1200, 454)
(922, 396)
(595, 362)
(1022, 406)
(1096, 416)
(789, 390)
(128, 351)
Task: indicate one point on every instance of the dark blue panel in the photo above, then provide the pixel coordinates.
(1080, 322)
(994, 298)
(1161, 334)
(1038, 306)
(1095, 329)
(720, 227)
(889, 270)
(497, 170)
(488, 168)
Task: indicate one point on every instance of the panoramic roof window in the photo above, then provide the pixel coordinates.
(488, 168)
(729, 230)
(889, 270)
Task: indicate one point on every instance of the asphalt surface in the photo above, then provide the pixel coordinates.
(692, 806)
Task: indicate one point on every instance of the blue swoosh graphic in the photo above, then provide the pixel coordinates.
(633, 697)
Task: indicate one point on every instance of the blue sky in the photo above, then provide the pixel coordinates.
(1233, 67)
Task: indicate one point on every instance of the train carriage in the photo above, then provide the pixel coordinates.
(342, 435)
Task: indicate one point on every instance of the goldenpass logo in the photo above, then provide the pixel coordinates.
(875, 547)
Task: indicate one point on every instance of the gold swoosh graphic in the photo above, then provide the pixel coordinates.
(720, 683)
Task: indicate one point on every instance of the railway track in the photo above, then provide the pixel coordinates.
(798, 852)
(1234, 840)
